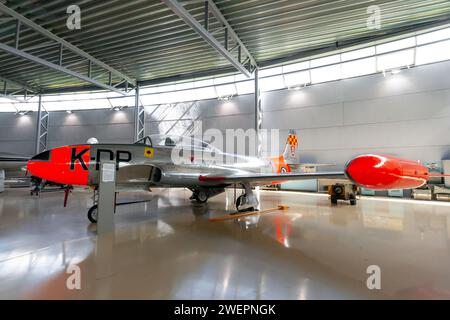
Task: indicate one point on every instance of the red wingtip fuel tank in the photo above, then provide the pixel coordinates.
(64, 165)
(381, 172)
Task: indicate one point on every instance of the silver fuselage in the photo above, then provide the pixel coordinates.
(163, 168)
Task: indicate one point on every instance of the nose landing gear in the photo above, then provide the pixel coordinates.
(93, 211)
(93, 214)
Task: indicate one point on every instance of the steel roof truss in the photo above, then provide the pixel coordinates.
(63, 45)
(211, 37)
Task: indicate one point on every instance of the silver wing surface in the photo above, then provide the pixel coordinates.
(265, 179)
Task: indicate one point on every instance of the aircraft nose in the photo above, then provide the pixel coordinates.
(38, 163)
(64, 165)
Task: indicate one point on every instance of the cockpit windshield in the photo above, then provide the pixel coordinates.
(185, 142)
(145, 140)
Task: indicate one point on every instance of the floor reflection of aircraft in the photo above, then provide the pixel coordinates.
(283, 226)
(205, 170)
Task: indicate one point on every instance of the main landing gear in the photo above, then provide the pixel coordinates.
(247, 201)
(201, 195)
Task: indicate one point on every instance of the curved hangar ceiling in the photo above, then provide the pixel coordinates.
(121, 42)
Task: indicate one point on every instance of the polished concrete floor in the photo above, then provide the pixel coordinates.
(168, 249)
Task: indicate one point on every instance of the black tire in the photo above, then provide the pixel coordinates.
(334, 200)
(201, 197)
(352, 199)
(338, 189)
(93, 214)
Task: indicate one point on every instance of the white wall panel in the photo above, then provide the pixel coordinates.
(399, 115)
(415, 133)
(18, 147)
(422, 105)
(91, 117)
(406, 115)
(229, 122)
(315, 95)
(308, 117)
(237, 105)
(17, 133)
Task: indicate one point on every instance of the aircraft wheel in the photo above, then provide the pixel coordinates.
(352, 200)
(201, 197)
(93, 214)
(239, 201)
(334, 199)
(338, 189)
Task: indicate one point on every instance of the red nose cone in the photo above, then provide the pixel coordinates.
(64, 165)
(385, 172)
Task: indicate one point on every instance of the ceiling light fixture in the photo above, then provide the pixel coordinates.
(225, 98)
(22, 113)
(298, 87)
(393, 72)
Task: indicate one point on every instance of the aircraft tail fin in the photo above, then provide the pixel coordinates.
(291, 149)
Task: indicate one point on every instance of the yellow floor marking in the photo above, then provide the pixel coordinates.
(246, 214)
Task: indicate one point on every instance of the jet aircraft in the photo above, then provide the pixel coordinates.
(149, 163)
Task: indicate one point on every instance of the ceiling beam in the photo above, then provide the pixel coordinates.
(216, 12)
(18, 84)
(382, 35)
(24, 55)
(66, 45)
(202, 31)
(13, 93)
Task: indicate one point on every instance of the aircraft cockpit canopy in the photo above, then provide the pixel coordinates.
(185, 142)
(145, 140)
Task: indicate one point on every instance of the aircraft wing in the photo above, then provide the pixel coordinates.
(268, 178)
(316, 165)
(308, 167)
(9, 162)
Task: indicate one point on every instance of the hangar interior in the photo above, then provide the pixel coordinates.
(136, 68)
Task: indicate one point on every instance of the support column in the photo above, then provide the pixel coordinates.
(38, 126)
(42, 124)
(258, 113)
(139, 117)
